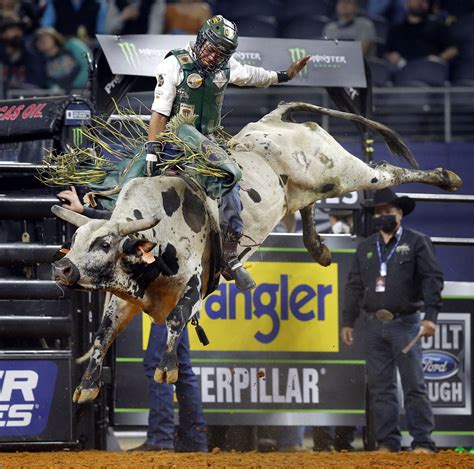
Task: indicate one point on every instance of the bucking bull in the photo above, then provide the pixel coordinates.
(156, 253)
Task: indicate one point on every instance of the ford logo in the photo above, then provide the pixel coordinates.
(439, 365)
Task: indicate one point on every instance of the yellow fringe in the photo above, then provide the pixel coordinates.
(84, 166)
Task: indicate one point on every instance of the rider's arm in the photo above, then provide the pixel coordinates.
(167, 79)
(157, 125)
(247, 75)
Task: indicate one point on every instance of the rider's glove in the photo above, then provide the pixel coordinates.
(153, 149)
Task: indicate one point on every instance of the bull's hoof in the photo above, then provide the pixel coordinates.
(85, 395)
(325, 258)
(451, 181)
(166, 376)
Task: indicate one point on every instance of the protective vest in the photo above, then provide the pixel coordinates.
(198, 94)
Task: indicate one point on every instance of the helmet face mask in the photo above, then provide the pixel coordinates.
(215, 43)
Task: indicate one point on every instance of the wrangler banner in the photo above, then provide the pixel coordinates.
(292, 299)
(332, 63)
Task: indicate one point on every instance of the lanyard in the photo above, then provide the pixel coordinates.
(383, 264)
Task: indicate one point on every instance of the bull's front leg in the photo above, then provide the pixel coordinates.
(117, 315)
(176, 321)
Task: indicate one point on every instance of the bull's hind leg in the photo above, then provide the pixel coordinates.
(311, 239)
(386, 175)
(117, 315)
(176, 321)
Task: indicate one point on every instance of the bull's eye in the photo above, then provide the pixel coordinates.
(101, 243)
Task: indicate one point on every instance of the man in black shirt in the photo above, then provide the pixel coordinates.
(394, 275)
(419, 37)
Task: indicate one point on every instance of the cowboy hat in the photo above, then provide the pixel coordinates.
(387, 196)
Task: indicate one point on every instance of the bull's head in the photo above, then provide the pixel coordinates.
(106, 255)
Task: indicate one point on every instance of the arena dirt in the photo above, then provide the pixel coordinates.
(162, 460)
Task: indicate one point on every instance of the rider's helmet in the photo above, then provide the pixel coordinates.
(215, 43)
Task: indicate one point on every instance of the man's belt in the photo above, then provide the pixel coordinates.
(386, 315)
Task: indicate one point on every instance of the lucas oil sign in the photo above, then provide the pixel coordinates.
(294, 308)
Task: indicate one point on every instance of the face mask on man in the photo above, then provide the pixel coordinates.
(341, 227)
(386, 223)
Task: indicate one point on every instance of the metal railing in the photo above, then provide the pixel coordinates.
(418, 114)
(442, 114)
(424, 114)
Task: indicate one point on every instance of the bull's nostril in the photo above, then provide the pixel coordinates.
(67, 270)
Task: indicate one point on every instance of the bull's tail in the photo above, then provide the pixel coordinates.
(392, 139)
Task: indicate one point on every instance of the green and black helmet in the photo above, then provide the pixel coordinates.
(215, 43)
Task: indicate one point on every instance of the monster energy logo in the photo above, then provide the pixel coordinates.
(77, 136)
(130, 52)
(298, 54)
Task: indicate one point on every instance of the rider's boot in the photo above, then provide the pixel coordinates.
(232, 267)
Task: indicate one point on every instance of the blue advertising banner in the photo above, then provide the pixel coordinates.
(35, 394)
(26, 392)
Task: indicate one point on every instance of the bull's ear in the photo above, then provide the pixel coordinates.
(136, 246)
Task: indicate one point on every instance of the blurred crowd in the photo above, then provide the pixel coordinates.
(49, 43)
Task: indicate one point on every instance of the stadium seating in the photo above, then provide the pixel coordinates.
(380, 71)
(422, 72)
(258, 26)
(304, 27)
(463, 32)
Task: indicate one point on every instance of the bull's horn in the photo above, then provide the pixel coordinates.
(68, 215)
(129, 227)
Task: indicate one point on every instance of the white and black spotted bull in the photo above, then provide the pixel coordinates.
(286, 167)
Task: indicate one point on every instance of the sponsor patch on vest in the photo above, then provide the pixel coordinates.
(220, 79)
(194, 80)
(183, 95)
(186, 109)
(184, 59)
(160, 79)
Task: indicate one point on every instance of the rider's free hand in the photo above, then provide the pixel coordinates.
(297, 66)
